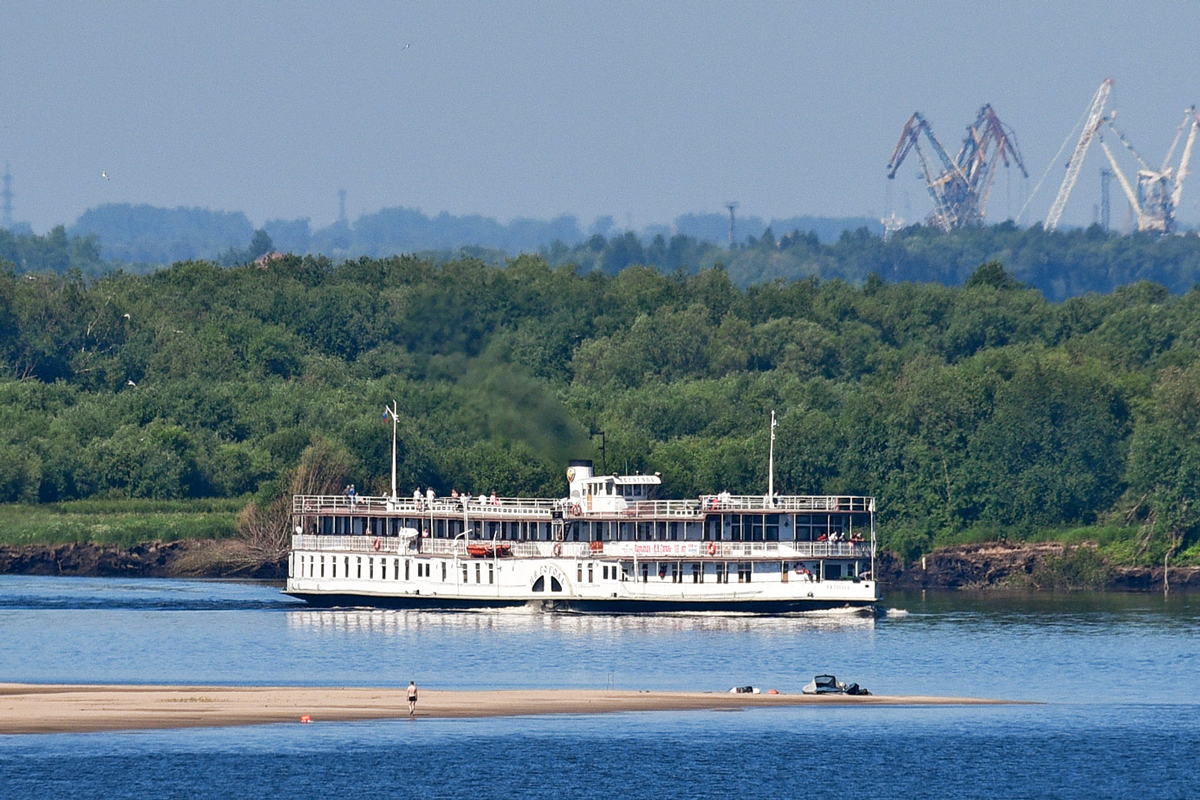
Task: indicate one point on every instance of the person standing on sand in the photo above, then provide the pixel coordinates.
(412, 698)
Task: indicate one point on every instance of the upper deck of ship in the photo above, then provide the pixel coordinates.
(546, 509)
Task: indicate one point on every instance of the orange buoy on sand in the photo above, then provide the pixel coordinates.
(772, 691)
(306, 719)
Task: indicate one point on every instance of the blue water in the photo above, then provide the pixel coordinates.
(1118, 676)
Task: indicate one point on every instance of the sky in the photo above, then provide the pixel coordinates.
(642, 110)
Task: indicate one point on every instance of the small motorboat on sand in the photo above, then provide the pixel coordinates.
(828, 684)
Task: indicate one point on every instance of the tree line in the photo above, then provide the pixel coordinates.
(1060, 264)
(974, 412)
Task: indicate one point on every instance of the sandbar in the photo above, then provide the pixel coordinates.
(58, 708)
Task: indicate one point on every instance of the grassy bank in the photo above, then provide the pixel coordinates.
(123, 523)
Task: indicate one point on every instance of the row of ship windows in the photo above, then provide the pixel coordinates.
(315, 567)
(673, 571)
(736, 527)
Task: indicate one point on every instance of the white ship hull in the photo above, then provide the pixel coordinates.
(614, 576)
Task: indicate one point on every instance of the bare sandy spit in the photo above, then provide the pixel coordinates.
(35, 708)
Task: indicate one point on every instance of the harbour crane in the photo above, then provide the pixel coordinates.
(1095, 118)
(1157, 193)
(961, 186)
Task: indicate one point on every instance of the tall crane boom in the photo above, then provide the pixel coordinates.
(961, 186)
(1156, 194)
(1075, 163)
(1187, 154)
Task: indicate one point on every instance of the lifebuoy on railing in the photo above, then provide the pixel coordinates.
(576, 510)
(712, 548)
(376, 544)
(557, 550)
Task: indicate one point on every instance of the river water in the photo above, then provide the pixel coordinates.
(1117, 678)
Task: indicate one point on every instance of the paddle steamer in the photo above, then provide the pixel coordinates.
(610, 545)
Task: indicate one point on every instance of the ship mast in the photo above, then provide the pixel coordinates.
(391, 412)
(771, 464)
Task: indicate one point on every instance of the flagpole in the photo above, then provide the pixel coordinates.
(771, 464)
(392, 411)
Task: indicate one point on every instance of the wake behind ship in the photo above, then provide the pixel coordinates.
(610, 545)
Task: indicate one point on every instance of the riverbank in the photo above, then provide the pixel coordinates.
(185, 558)
(1040, 566)
(1037, 566)
(26, 708)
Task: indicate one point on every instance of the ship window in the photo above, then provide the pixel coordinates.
(697, 573)
(491, 573)
(322, 566)
(540, 584)
(833, 572)
(744, 572)
(383, 569)
(772, 528)
(346, 564)
(478, 573)
(407, 567)
(333, 563)
(579, 577)
(358, 560)
(590, 574)
(555, 586)
(371, 569)
(396, 569)
(645, 572)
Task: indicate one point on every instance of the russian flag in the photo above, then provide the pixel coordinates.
(387, 414)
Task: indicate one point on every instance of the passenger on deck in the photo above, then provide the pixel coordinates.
(429, 495)
(822, 538)
(495, 500)
(417, 497)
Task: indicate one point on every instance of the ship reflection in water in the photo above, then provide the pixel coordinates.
(532, 620)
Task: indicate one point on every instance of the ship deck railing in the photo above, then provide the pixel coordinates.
(524, 507)
(639, 550)
(541, 508)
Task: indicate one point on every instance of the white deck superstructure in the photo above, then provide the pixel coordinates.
(609, 545)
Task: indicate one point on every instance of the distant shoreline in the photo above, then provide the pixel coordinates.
(51, 708)
(1035, 566)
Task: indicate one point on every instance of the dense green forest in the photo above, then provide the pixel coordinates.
(975, 412)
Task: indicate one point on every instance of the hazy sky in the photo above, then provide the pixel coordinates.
(636, 109)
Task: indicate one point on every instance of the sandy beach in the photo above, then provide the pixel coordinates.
(34, 708)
